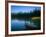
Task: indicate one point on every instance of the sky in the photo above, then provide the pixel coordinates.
(17, 9)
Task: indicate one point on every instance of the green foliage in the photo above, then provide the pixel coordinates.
(37, 23)
(21, 15)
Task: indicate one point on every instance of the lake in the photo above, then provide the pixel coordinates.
(17, 25)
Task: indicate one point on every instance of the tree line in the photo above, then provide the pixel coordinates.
(21, 15)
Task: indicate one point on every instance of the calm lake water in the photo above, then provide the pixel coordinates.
(17, 25)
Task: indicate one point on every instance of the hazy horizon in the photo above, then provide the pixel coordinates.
(17, 9)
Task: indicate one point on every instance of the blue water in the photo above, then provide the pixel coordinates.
(17, 25)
